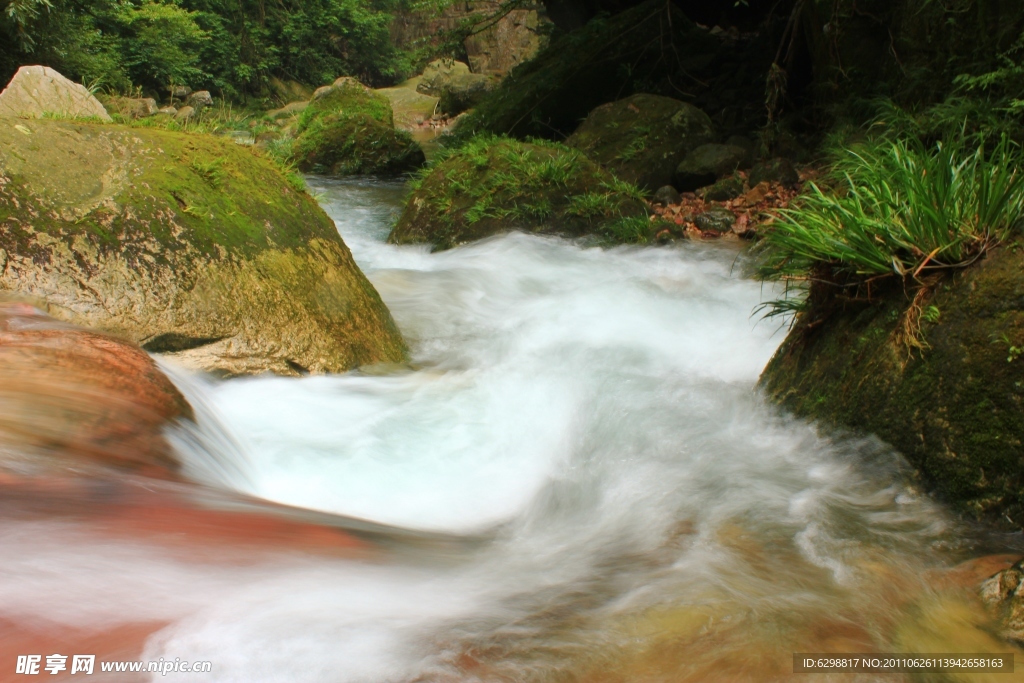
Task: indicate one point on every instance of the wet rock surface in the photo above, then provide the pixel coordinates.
(71, 398)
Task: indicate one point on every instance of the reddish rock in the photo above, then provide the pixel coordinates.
(71, 397)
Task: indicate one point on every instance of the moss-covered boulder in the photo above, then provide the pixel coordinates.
(348, 129)
(187, 244)
(492, 184)
(642, 138)
(954, 408)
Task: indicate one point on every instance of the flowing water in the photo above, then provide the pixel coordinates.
(583, 481)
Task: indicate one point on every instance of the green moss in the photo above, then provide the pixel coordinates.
(350, 130)
(493, 184)
(955, 408)
(169, 233)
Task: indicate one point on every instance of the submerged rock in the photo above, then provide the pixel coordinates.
(183, 243)
(643, 138)
(348, 129)
(937, 373)
(491, 185)
(71, 397)
(39, 90)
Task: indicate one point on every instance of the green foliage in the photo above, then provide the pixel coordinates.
(898, 207)
(233, 47)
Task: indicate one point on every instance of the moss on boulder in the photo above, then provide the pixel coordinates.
(492, 184)
(348, 129)
(643, 137)
(183, 243)
(955, 408)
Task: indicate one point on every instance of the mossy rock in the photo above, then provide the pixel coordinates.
(955, 408)
(492, 184)
(643, 137)
(348, 129)
(601, 62)
(184, 243)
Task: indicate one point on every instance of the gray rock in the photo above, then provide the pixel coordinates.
(201, 99)
(439, 74)
(170, 111)
(666, 194)
(180, 92)
(706, 164)
(715, 220)
(777, 170)
(38, 90)
(241, 137)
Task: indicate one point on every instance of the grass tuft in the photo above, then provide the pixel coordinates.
(897, 207)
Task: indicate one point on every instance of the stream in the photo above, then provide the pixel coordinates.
(574, 479)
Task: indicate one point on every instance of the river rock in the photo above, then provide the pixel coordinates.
(951, 405)
(492, 185)
(38, 90)
(643, 138)
(1004, 594)
(185, 244)
(706, 164)
(169, 111)
(349, 129)
(132, 107)
(724, 190)
(71, 397)
(180, 92)
(200, 100)
(439, 74)
(717, 219)
(463, 92)
(777, 170)
(666, 195)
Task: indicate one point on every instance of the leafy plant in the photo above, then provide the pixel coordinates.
(897, 207)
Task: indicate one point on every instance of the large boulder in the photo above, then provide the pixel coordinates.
(438, 74)
(492, 184)
(935, 372)
(183, 243)
(642, 138)
(36, 91)
(348, 129)
(464, 92)
(71, 398)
